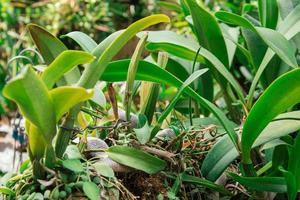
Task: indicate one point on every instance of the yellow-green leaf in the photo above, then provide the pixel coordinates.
(62, 64)
(65, 97)
(33, 99)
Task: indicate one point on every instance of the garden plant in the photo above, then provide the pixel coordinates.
(207, 108)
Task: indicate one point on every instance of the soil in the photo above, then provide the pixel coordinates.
(144, 186)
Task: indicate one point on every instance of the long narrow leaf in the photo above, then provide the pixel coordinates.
(270, 184)
(279, 96)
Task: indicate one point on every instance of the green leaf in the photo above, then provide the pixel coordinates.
(65, 97)
(176, 68)
(73, 164)
(72, 152)
(91, 190)
(270, 184)
(133, 65)
(223, 152)
(136, 159)
(173, 43)
(102, 46)
(104, 170)
(50, 47)
(62, 64)
(117, 71)
(208, 31)
(274, 39)
(95, 69)
(143, 133)
(204, 183)
(234, 19)
(289, 28)
(37, 142)
(279, 96)
(268, 13)
(83, 40)
(279, 44)
(34, 101)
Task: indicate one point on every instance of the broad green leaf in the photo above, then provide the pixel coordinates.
(270, 184)
(171, 42)
(117, 71)
(103, 169)
(73, 164)
(208, 32)
(83, 40)
(50, 47)
(91, 190)
(95, 69)
(62, 64)
(279, 96)
(34, 101)
(136, 159)
(268, 13)
(185, 84)
(65, 97)
(204, 183)
(223, 152)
